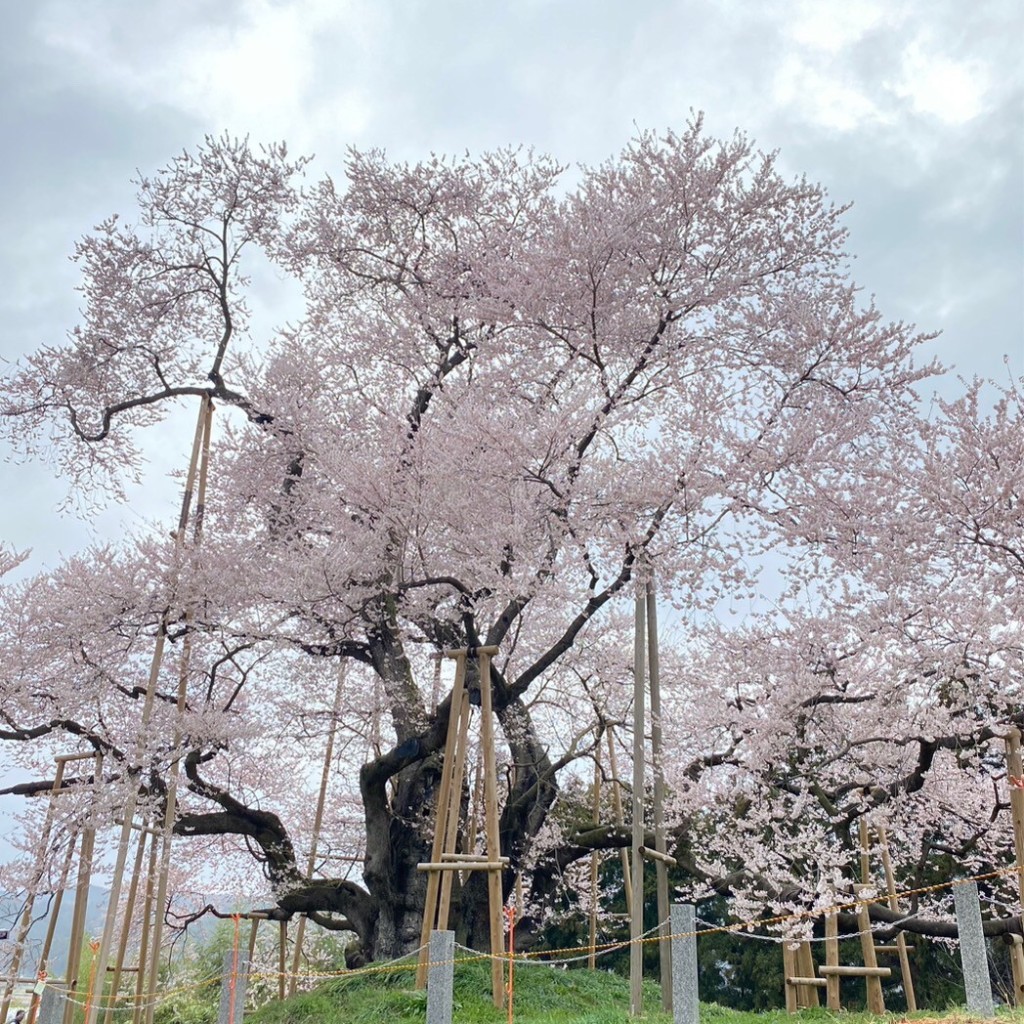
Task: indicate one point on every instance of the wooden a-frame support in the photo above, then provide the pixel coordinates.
(198, 468)
(444, 860)
(801, 983)
(85, 842)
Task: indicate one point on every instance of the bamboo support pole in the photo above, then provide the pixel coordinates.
(493, 848)
(443, 797)
(661, 862)
(619, 818)
(901, 940)
(318, 818)
(636, 917)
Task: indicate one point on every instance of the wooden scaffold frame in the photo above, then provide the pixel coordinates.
(444, 859)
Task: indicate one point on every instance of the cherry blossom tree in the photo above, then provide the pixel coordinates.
(503, 400)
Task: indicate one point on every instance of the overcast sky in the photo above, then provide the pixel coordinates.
(912, 110)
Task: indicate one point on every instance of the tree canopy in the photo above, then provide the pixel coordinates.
(509, 396)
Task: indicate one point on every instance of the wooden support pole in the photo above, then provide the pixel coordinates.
(253, 935)
(462, 859)
(594, 858)
(852, 971)
(77, 938)
(901, 940)
(451, 824)
(619, 818)
(205, 427)
(865, 858)
(659, 858)
(805, 967)
(129, 913)
(37, 874)
(876, 1003)
(443, 798)
(148, 909)
(789, 970)
(282, 950)
(51, 925)
(662, 861)
(636, 917)
(832, 960)
(325, 775)
(1015, 780)
(450, 866)
(493, 848)
(1017, 968)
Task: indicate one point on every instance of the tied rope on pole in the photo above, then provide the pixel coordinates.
(94, 946)
(233, 980)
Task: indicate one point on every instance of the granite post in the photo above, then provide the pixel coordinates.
(51, 1006)
(440, 976)
(232, 989)
(684, 964)
(973, 955)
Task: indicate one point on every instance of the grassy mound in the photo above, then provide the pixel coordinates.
(543, 995)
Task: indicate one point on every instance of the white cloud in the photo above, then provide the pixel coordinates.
(254, 71)
(937, 85)
(832, 27)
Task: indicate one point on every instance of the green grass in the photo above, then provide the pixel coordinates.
(543, 995)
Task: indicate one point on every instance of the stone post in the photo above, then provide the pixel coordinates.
(440, 976)
(232, 989)
(973, 955)
(684, 964)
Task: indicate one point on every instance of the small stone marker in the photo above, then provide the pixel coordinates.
(51, 1006)
(232, 996)
(685, 1009)
(440, 977)
(972, 949)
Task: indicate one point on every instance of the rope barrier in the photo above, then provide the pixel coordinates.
(543, 958)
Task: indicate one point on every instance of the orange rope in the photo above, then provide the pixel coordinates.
(94, 946)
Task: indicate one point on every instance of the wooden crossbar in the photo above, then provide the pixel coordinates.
(845, 971)
(464, 865)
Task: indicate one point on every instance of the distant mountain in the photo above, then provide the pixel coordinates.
(10, 920)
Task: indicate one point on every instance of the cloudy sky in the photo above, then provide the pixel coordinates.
(912, 109)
